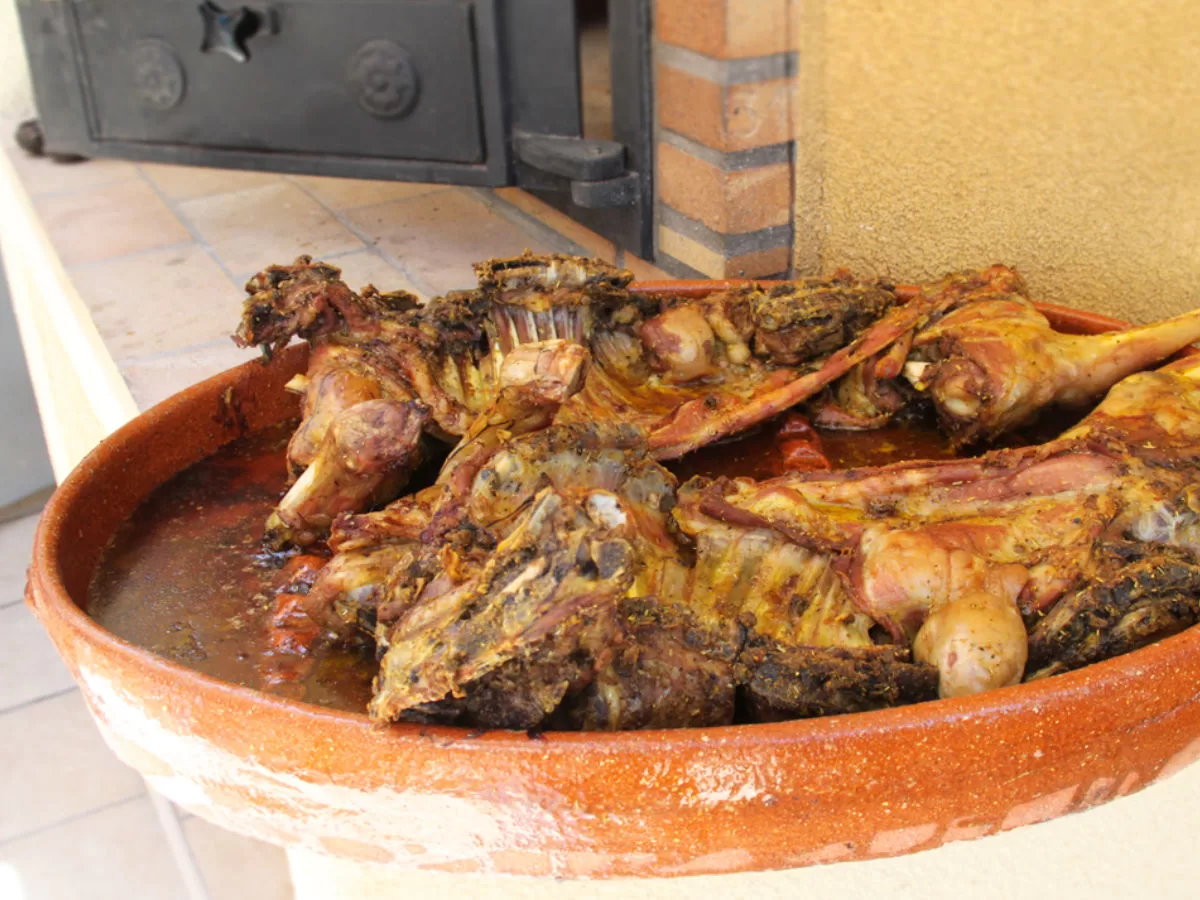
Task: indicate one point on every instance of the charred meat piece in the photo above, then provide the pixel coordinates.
(1019, 526)
(872, 391)
(549, 586)
(802, 682)
(1141, 602)
(718, 414)
(606, 504)
(666, 671)
(309, 300)
(798, 321)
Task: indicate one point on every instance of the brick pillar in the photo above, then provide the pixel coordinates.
(724, 81)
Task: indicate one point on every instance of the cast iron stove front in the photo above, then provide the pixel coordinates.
(472, 92)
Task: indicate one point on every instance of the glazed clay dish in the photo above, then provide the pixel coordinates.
(651, 802)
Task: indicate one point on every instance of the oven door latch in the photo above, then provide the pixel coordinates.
(592, 170)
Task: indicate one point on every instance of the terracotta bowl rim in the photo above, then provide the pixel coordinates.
(53, 599)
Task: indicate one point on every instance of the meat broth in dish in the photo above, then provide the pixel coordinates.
(551, 502)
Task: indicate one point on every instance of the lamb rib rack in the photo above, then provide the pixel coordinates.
(650, 357)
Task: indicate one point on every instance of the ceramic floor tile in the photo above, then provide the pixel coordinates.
(253, 229)
(118, 853)
(235, 867)
(160, 301)
(156, 378)
(16, 547)
(30, 667)
(54, 765)
(100, 223)
(365, 267)
(44, 176)
(438, 236)
(188, 182)
(348, 193)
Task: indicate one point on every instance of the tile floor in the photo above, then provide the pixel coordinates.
(159, 253)
(75, 822)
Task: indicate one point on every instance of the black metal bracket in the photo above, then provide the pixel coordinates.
(579, 159)
(591, 171)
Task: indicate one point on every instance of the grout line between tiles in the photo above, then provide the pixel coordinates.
(181, 850)
(25, 704)
(369, 242)
(7, 603)
(525, 221)
(187, 223)
(104, 807)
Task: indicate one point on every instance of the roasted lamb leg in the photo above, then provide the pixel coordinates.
(994, 365)
(365, 458)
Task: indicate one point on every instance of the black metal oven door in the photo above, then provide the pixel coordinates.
(346, 78)
(476, 92)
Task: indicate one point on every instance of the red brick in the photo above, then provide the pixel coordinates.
(729, 202)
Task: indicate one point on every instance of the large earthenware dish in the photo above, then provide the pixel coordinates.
(565, 804)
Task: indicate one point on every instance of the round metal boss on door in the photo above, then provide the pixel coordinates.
(383, 79)
(157, 74)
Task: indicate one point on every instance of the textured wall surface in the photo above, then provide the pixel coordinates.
(1060, 137)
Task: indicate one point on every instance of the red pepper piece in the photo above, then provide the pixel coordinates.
(802, 456)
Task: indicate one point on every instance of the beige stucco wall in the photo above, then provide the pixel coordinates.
(1060, 137)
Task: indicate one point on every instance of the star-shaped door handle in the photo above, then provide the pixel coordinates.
(226, 31)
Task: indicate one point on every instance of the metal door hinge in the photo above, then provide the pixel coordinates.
(592, 171)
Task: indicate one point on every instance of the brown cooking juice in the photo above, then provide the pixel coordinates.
(187, 576)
